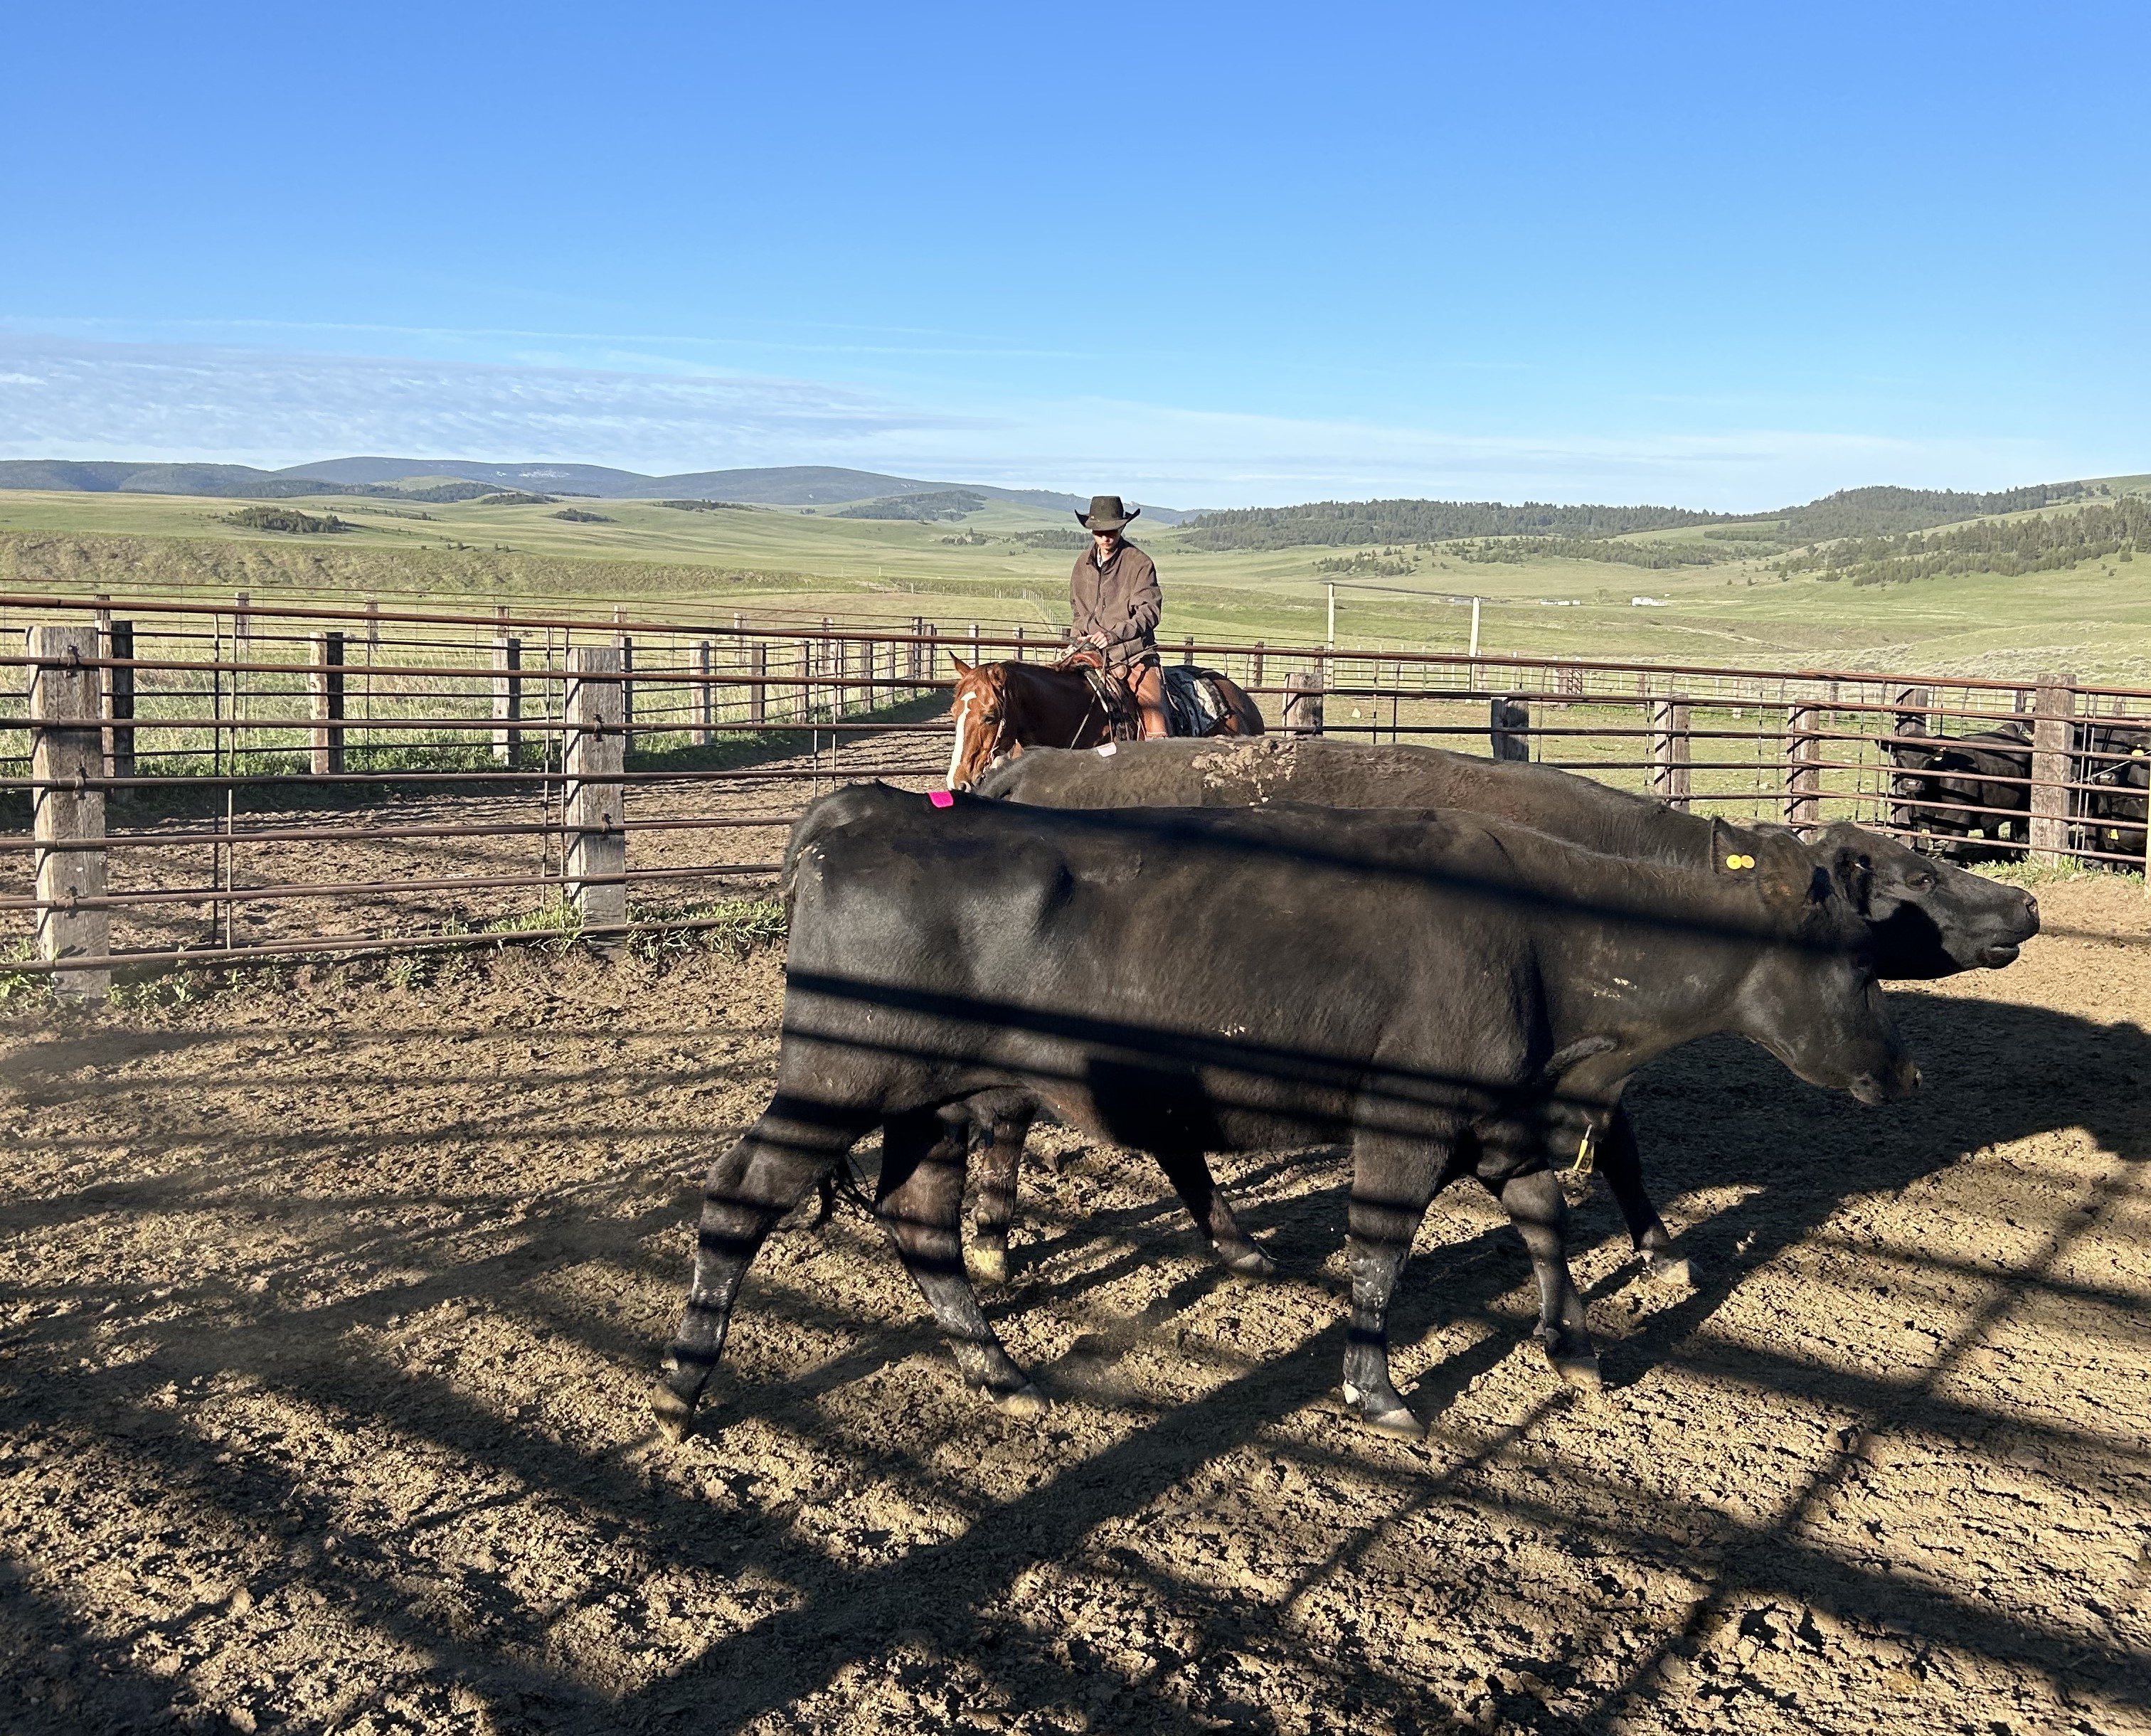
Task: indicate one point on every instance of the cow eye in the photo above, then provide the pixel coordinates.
(1920, 883)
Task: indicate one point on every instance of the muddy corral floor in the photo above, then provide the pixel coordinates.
(331, 1309)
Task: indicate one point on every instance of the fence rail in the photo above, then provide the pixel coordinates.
(182, 781)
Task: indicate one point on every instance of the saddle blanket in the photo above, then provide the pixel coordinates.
(1192, 702)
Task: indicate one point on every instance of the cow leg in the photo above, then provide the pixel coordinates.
(767, 1173)
(1189, 1173)
(1621, 1164)
(1535, 1205)
(920, 1203)
(998, 1162)
(1390, 1188)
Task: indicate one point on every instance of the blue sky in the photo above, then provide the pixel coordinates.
(1722, 255)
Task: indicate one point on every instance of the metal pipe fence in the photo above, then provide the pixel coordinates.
(183, 783)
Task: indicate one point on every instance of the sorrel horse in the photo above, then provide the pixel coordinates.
(1002, 708)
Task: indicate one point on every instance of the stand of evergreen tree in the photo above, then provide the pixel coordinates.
(2013, 546)
(1521, 549)
(1333, 522)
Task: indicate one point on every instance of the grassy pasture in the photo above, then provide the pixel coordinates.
(782, 564)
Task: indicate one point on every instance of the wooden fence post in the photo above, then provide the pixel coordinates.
(806, 712)
(1669, 750)
(917, 651)
(1510, 728)
(1302, 703)
(1803, 773)
(507, 699)
(705, 700)
(325, 682)
(119, 704)
(67, 746)
(2052, 764)
(1187, 650)
(1255, 666)
(595, 756)
(757, 675)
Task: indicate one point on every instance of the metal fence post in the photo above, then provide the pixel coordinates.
(594, 756)
(119, 703)
(974, 645)
(67, 746)
(1803, 774)
(2052, 738)
(757, 675)
(1303, 703)
(1510, 728)
(1669, 750)
(626, 646)
(705, 700)
(507, 699)
(325, 682)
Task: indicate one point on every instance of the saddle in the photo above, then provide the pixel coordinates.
(1113, 696)
(1193, 706)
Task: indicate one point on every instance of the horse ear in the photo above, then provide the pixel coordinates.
(962, 667)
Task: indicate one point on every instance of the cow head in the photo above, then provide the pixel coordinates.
(1928, 918)
(985, 729)
(1812, 998)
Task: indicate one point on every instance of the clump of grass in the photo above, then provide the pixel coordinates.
(2047, 870)
(21, 985)
(728, 925)
(559, 918)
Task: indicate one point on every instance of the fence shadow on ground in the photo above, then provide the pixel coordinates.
(1714, 1115)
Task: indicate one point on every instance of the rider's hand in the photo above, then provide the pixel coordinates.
(1100, 640)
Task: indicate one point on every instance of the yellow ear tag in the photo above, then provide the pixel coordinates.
(1740, 862)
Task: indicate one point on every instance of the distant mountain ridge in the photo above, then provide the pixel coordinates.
(814, 485)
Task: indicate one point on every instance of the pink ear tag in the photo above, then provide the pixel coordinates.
(941, 798)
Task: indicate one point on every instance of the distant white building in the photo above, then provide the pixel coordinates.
(1647, 602)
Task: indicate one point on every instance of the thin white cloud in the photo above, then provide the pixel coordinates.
(68, 397)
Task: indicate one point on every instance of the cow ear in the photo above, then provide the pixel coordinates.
(1730, 853)
(1853, 872)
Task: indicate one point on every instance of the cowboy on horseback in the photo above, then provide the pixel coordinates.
(1114, 597)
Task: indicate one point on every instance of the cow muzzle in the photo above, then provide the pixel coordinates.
(1874, 1089)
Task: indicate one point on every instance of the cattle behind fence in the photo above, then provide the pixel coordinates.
(437, 771)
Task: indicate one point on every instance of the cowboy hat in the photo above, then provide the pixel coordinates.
(1107, 514)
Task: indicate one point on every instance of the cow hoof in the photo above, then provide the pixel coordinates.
(1668, 1269)
(675, 1415)
(991, 1264)
(1394, 1418)
(1024, 1402)
(1253, 1263)
(1580, 1372)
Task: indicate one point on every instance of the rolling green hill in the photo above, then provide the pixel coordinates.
(1736, 601)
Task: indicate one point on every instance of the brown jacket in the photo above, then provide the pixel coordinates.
(1122, 602)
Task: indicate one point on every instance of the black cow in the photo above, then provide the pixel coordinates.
(1928, 919)
(1972, 793)
(1451, 995)
(2114, 764)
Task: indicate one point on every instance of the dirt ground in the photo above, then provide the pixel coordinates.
(329, 1310)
